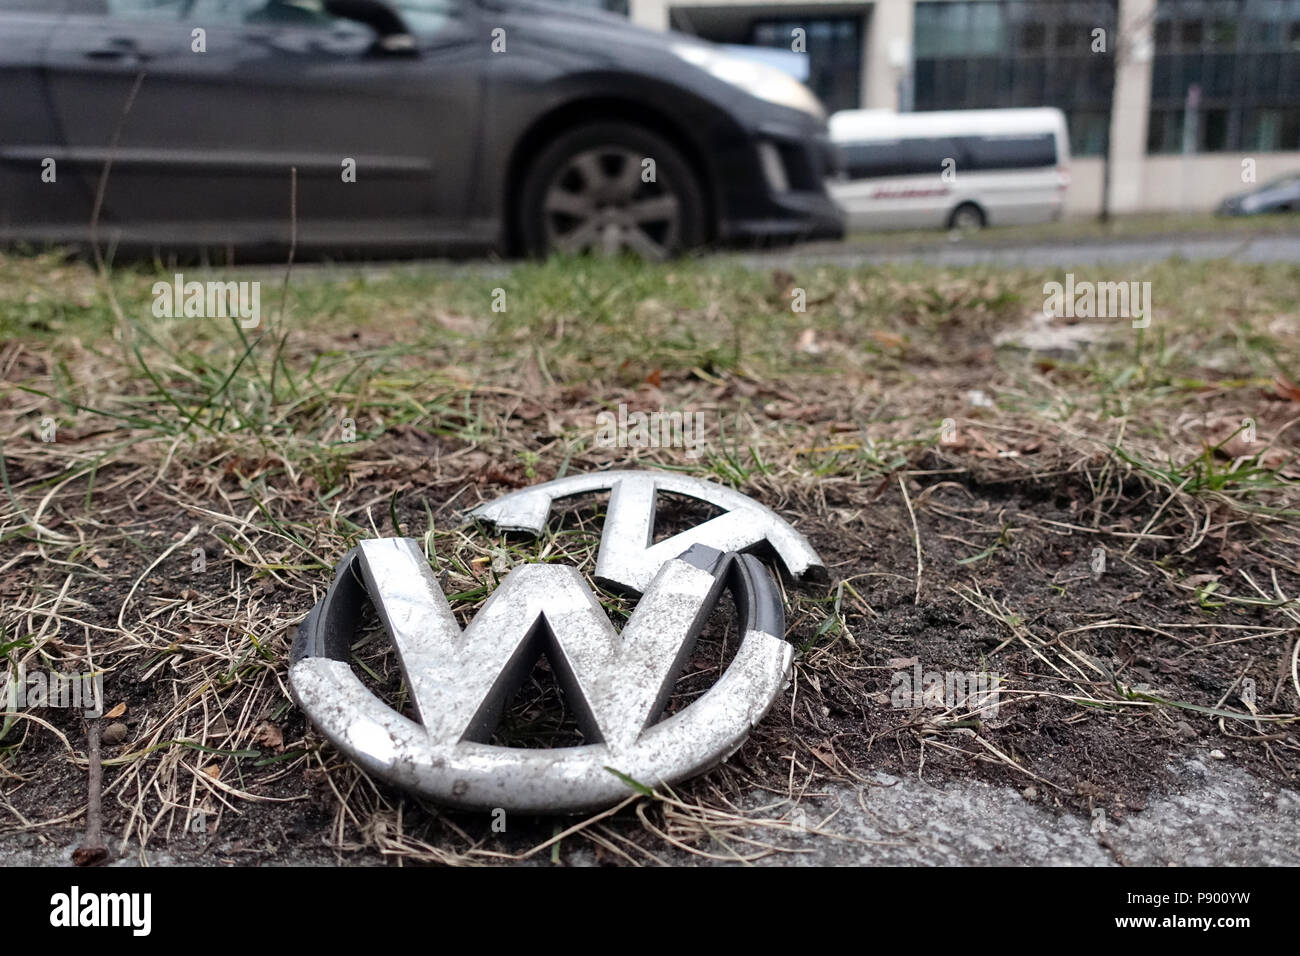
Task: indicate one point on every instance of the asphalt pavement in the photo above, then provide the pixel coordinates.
(989, 251)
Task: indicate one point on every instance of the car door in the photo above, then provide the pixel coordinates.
(384, 144)
(235, 122)
(37, 199)
(154, 102)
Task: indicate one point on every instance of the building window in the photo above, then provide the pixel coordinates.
(1165, 131)
(834, 48)
(988, 54)
(1226, 76)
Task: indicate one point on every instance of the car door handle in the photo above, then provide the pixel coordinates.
(117, 49)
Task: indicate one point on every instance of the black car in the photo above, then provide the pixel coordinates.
(417, 125)
(1280, 195)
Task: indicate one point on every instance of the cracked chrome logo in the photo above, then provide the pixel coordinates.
(618, 683)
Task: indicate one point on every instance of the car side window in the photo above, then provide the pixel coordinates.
(31, 6)
(429, 17)
(168, 11)
(424, 17)
(289, 13)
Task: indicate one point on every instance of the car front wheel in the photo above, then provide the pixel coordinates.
(611, 189)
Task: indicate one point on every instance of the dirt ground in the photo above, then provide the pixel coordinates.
(1078, 525)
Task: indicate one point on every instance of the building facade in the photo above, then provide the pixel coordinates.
(1190, 100)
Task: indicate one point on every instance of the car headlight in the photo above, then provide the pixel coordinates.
(766, 82)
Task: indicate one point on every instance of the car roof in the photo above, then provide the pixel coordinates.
(848, 125)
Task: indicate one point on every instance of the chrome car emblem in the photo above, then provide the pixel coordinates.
(617, 684)
(627, 559)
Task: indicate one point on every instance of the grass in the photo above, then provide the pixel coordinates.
(203, 480)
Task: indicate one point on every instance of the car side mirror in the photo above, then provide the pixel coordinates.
(392, 35)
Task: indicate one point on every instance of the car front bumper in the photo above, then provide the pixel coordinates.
(771, 185)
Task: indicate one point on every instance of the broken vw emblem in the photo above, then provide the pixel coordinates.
(618, 684)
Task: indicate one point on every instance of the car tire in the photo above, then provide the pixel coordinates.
(588, 193)
(967, 217)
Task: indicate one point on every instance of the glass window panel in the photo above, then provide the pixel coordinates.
(1265, 21)
(1073, 37)
(1088, 132)
(986, 32)
(1288, 83)
(1008, 152)
(430, 17)
(983, 78)
(1267, 72)
(1164, 77)
(1220, 74)
(1171, 130)
(1263, 130)
(834, 54)
(982, 54)
(1214, 130)
(146, 9)
(942, 29)
(1223, 34)
(1031, 37)
(1290, 130)
(1028, 81)
(925, 89)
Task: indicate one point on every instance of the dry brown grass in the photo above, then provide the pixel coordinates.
(970, 553)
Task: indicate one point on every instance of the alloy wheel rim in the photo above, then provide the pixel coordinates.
(598, 203)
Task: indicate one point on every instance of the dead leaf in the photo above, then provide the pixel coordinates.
(888, 340)
(117, 711)
(826, 756)
(269, 735)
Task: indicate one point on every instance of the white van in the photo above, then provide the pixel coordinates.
(960, 169)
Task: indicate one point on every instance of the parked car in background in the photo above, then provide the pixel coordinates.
(1280, 195)
(962, 169)
(417, 125)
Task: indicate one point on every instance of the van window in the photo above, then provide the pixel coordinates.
(918, 157)
(900, 157)
(1009, 152)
